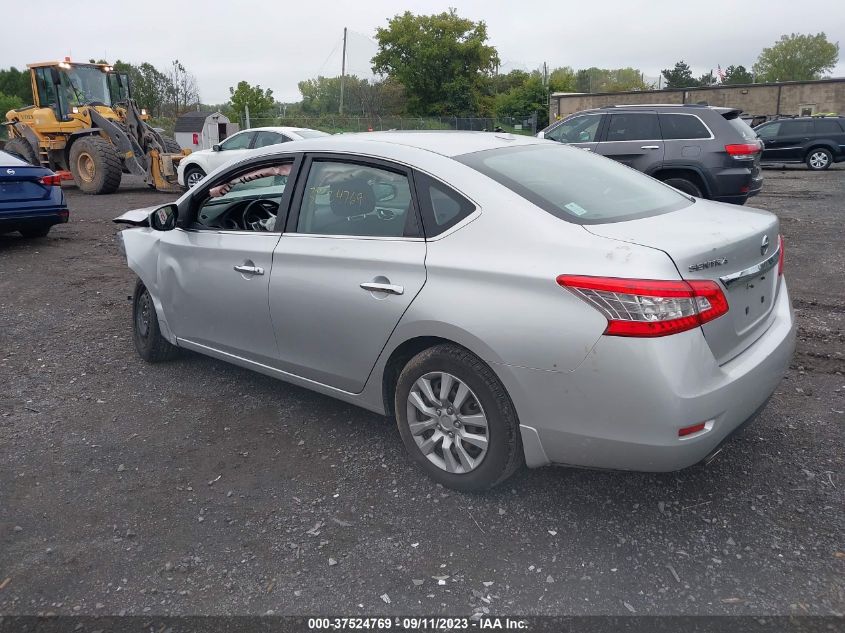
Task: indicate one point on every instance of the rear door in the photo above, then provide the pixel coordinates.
(349, 264)
(634, 139)
(790, 142)
(831, 132)
(580, 131)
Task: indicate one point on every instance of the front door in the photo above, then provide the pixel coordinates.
(233, 148)
(580, 131)
(214, 271)
(788, 141)
(634, 139)
(349, 264)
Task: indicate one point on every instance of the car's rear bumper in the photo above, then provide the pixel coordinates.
(736, 185)
(14, 221)
(623, 406)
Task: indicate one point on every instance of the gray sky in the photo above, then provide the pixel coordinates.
(276, 44)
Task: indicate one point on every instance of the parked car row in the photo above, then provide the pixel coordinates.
(508, 300)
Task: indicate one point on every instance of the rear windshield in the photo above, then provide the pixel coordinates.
(743, 128)
(575, 185)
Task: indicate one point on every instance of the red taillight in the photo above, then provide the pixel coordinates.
(52, 180)
(780, 255)
(648, 307)
(196, 138)
(689, 430)
(742, 149)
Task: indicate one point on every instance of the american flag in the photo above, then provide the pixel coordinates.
(720, 72)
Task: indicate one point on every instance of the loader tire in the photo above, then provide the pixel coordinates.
(95, 165)
(170, 145)
(21, 148)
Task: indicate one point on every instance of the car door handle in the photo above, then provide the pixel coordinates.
(250, 270)
(650, 147)
(388, 288)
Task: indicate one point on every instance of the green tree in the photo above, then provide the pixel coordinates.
(562, 80)
(525, 100)
(258, 99)
(737, 75)
(150, 86)
(15, 83)
(7, 102)
(797, 58)
(442, 60)
(679, 77)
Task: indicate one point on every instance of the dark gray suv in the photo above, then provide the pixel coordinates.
(705, 151)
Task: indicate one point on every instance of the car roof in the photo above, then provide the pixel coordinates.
(446, 143)
(277, 128)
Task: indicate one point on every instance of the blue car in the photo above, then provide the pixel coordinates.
(31, 198)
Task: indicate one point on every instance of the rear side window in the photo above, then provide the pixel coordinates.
(442, 207)
(742, 128)
(828, 126)
(574, 185)
(682, 126)
(795, 128)
(633, 127)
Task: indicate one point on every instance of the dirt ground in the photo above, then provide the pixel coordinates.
(195, 487)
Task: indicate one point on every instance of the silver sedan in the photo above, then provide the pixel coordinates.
(509, 300)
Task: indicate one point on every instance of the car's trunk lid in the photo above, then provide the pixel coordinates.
(722, 243)
(20, 182)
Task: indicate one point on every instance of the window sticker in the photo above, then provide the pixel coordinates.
(577, 209)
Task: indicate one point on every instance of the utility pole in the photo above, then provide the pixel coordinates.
(343, 70)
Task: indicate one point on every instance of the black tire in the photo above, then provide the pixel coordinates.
(22, 148)
(504, 452)
(36, 231)
(149, 342)
(195, 172)
(819, 159)
(687, 186)
(95, 165)
(170, 145)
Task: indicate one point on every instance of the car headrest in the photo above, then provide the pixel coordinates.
(352, 196)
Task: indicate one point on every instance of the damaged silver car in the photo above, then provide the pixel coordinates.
(509, 300)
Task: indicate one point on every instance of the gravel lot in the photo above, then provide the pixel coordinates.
(195, 487)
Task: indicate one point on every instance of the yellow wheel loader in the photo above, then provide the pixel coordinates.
(85, 121)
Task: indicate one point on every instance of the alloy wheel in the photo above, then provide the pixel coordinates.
(818, 160)
(193, 178)
(447, 422)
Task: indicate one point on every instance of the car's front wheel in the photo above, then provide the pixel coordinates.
(193, 175)
(456, 419)
(819, 159)
(149, 342)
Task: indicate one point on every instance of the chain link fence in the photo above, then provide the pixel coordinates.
(335, 124)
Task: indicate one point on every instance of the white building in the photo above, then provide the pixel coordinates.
(201, 130)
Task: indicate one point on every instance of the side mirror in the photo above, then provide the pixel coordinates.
(541, 134)
(164, 218)
(215, 147)
(583, 137)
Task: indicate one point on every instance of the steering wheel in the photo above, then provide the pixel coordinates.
(260, 215)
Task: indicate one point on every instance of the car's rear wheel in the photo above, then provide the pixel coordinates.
(149, 342)
(819, 159)
(36, 231)
(456, 419)
(687, 186)
(193, 175)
